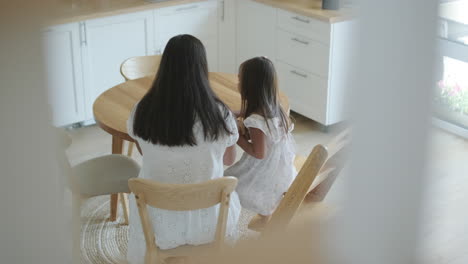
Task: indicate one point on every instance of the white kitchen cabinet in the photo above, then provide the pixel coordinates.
(256, 31)
(199, 19)
(108, 42)
(227, 61)
(313, 61)
(62, 50)
(311, 56)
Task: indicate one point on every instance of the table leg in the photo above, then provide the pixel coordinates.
(117, 148)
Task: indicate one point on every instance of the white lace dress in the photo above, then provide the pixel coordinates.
(182, 165)
(263, 182)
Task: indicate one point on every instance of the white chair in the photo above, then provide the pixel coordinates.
(104, 175)
(100, 176)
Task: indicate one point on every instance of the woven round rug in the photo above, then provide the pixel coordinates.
(105, 242)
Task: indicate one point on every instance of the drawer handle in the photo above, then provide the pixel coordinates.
(300, 19)
(300, 41)
(186, 8)
(299, 74)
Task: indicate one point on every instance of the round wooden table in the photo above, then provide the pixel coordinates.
(112, 109)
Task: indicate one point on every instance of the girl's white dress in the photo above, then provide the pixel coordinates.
(182, 165)
(262, 182)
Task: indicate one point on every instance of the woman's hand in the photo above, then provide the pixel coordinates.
(241, 127)
(229, 156)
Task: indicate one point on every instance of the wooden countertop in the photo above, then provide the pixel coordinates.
(311, 8)
(70, 11)
(91, 9)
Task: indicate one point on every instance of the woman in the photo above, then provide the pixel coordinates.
(186, 134)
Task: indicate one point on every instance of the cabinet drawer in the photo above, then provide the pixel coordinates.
(303, 53)
(307, 92)
(188, 8)
(198, 19)
(306, 26)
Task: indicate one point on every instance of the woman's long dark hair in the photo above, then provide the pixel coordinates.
(180, 95)
(259, 91)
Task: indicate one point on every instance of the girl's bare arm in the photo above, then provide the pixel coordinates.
(257, 145)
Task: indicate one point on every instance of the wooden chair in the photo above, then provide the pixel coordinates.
(337, 149)
(136, 68)
(295, 195)
(139, 67)
(182, 197)
(317, 174)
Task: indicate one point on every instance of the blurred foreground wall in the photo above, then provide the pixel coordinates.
(31, 212)
(394, 76)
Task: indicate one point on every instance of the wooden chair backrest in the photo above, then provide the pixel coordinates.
(182, 197)
(298, 190)
(139, 67)
(337, 149)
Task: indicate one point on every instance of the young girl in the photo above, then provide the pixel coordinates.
(266, 170)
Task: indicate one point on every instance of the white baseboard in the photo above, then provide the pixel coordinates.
(449, 127)
(88, 122)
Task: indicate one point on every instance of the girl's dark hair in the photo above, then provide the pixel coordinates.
(180, 96)
(259, 91)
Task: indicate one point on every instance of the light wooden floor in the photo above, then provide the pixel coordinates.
(445, 221)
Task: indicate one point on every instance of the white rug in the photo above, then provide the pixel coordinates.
(104, 242)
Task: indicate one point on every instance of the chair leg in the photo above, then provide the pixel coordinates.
(130, 148)
(124, 200)
(114, 207)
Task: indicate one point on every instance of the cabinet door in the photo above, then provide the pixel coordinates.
(256, 31)
(199, 19)
(62, 50)
(110, 41)
(227, 61)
